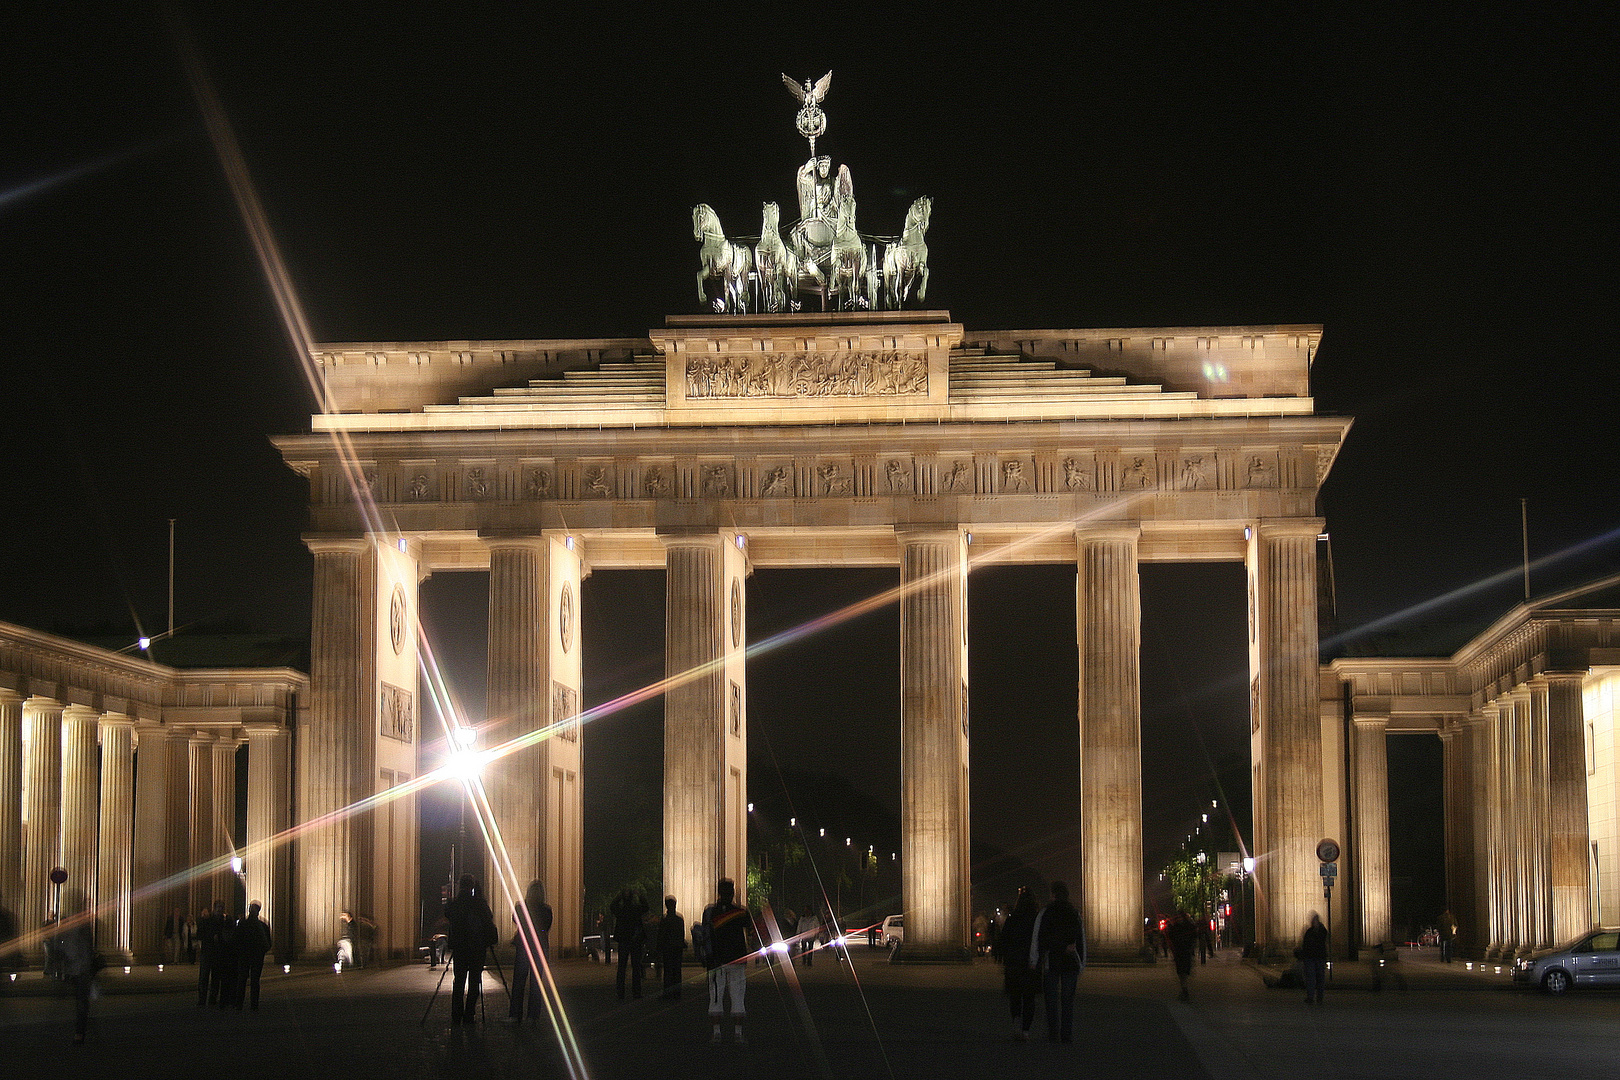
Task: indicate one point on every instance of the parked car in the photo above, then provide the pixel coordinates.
(894, 930)
(1593, 959)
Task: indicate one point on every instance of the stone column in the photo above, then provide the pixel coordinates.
(42, 812)
(1480, 925)
(694, 719)
(269, 806)
(516, 704)
(1371, 847)
(117, 827)
(200, 815)
(1499, 720)
(80, 781)
(1282, 566)
(151, 862)
(1568, 832)
(935, 874)
(1540, 888)
(1108, 628)
(705, 777)
(11, 759)
(1457, 751)
(333, 855)
(223, 790)
(1522, 827)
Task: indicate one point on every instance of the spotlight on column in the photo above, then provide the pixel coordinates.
(236, 864)
(145, 643)
(286, 969)
(401, 544)
(568, 542)
(160, 969)
(126, 970)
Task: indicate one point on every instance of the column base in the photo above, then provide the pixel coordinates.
(905, 953)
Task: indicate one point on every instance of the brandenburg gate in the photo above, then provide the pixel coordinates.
(721, 443)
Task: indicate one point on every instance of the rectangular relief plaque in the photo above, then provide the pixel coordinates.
(396, 714)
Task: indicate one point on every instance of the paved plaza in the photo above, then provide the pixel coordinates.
(875, 1021)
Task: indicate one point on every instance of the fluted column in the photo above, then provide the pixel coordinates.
(516, 697)
(1482, 928)
(223, 790)
(1523, 824)
(42, 812)
(934, 813)
(694, 720)
(1499, 725)
(333, 854)
(1539, 886)
(11, 759)
(1282, 561)
(1568, 830)
(1108, 628)
(1457, 752)
(269, 806)
(1371, 849)
(152, 848)
(117, 828)
(80, 781)
(200, 815)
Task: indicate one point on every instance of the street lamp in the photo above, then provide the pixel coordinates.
(464, 764)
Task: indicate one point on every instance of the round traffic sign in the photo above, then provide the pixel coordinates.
(1328, 851)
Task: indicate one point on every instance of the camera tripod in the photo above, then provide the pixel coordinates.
(483, 1009)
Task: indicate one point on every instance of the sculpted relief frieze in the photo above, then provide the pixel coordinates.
(807, 375)
(1102, 473)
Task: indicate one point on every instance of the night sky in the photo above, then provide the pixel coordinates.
(1437, 191)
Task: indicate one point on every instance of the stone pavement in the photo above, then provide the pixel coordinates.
(875, 1021)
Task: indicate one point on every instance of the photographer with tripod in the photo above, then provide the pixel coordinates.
(471, 934)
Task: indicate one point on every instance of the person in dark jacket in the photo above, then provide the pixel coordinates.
(1183, 936)
(1061, 942)
(533, 944)
(472, 932)
(1313, 951)
(1020, 979)
(629, 913)
(671, 947)
(252, 942)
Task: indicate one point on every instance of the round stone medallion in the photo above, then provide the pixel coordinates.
(396, 619)
(565, 616)
(736, 613)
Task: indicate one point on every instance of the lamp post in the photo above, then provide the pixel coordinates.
(464, 765)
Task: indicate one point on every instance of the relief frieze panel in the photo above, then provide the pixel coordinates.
(539, 482)
(1079, 473)
(597, 480)
(806, 375)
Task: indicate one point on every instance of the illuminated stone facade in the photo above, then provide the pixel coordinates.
(123, 773)
(1526, 713)
(719, 444)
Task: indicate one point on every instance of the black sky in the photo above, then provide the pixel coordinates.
(1436, 189)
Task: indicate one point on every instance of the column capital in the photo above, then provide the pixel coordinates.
(1562, 676)
(75, 711)
(1108, 532)
(1370, 719)
(336, 545)
(905, 533)
(507, 541)
(692, 537)
(264, 727)
(10, 696)
(1278, 528)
